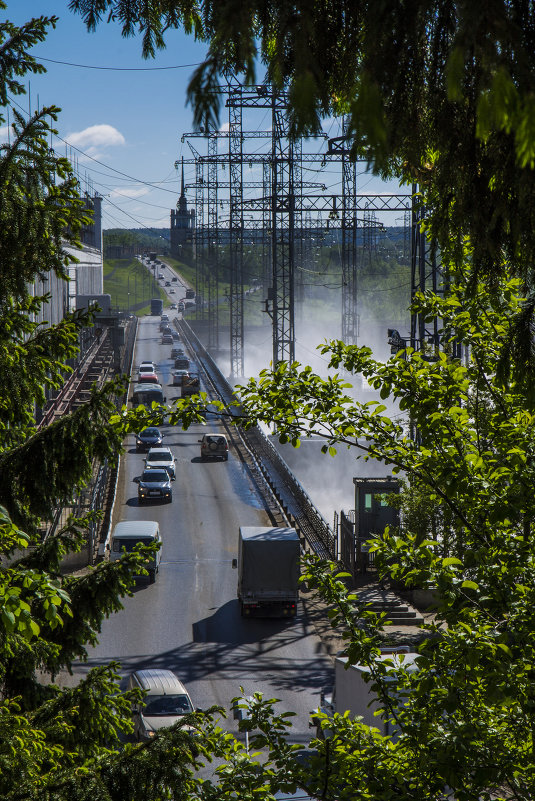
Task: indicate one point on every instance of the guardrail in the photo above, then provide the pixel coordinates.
(288, 490)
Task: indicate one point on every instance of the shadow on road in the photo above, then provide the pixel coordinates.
(226, 645)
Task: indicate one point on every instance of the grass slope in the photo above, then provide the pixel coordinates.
(124, 276)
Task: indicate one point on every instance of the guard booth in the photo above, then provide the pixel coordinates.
(372, 515)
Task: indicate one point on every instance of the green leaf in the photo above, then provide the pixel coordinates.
(469, 585)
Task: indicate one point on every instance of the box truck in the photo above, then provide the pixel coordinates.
(156, 306)
(353, 689)
(268, 571)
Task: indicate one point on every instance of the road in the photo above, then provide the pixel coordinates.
(189, 620)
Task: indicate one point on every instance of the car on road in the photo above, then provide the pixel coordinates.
(147, 378)
(167, 339)
(154, 485)
(179, 376)
(164, 316)
(161, 458)
(181, 306)
(175, 335)
(161, 276)
(147, 394)
(214, 446)
(148, 438)
(166, 701)
(147, 367)
(176, 351)
(182, 363)
(171, 291)
(173, 306)
(174, 278)
(164, 324)
(129, 534)
(168, 283)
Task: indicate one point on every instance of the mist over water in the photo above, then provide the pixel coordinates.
(328, 480)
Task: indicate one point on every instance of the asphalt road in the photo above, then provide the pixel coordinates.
(189, 619)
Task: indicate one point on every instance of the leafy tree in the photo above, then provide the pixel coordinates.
(464, 719)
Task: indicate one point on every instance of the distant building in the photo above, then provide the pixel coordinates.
(182, 224)
(85, 276)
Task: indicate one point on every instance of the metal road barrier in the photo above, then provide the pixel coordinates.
(295, 501)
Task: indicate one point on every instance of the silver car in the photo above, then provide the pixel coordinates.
(214, 446)
(161, 459)
(166, 701)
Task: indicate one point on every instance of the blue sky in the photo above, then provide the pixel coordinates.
(126, 121)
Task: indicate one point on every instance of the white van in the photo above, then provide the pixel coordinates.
(129, 533)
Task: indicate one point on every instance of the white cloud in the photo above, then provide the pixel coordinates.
(133, 193)
(95, 137)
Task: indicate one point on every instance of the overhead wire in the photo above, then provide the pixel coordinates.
(118, 69)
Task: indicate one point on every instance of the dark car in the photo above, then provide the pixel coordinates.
(175, 335)
(176, 352)
(148, 438)
(167, 339)
(182, 363)
(154, 485)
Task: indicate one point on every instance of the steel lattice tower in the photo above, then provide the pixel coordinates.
(425, 274)
(213, 243)
(283, 233)
(235, 157)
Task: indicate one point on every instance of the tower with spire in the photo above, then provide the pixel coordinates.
(182, 224)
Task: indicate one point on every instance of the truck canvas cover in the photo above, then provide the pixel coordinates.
(269, 562)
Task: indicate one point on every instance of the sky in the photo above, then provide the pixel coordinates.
(123, 117)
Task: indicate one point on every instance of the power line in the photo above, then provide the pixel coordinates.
(102, 164)
(118, 69)
(142, 225)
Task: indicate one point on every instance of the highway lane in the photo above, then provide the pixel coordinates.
(189, 620)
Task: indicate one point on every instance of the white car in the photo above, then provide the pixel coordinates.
(158, 458)
(146, 367)
(178, 376)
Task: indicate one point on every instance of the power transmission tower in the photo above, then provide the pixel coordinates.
(213, 244)
(350, 319)
(426, 273)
